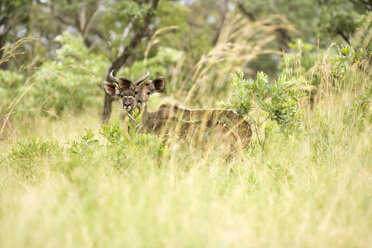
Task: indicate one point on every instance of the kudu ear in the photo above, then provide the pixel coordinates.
(125, 83)
(158, 84)
(110, 88)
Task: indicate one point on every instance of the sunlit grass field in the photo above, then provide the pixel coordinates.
(298, 71)
(65, 184)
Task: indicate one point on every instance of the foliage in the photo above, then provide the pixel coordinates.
(29, 150)
(85, 144)
(131, 15)
(10, 78)
(70, 81)
(277, 101)
(359, 111)
(67, 181)
(302, 58)
(136, 150)
(162, 63)
(10, 82)
(339, 17)
(325, 20)
(113, 132)
(122, 148)
(127, 194)
(333, 65)
(347, 58)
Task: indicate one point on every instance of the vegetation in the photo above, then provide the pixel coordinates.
(299, 72)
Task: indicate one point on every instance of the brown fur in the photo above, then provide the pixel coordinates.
(225, 121)
(183, 121)
(225, 126)
(125, 93)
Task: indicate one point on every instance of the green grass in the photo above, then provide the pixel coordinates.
(68, 189)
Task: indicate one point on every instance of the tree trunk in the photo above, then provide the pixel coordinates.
(4, 65)
(125, 55)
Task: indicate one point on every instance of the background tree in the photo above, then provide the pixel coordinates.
(139, 35)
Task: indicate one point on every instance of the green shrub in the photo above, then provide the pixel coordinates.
(10, 79)
(121, 150)
(28, 151)
(159, 65)
(359, 111)
(86, 143)
(70, 81)
(113, 132)
(347, 61)
(10, 82)
(136, 150)
(278, 100)
(132, 148)
(300, 61)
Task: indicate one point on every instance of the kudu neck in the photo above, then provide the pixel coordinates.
(144, 114)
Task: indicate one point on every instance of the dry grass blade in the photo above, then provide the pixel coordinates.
(8, 53)
(155, 39)
(13, 50)
(240, 41)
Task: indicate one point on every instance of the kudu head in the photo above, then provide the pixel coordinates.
(123, 88)
(143, 90)
(134, 95)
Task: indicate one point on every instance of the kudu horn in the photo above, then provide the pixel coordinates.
(140, 80)
(111, 76)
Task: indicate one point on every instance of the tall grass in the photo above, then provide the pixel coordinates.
(69, 183)
(310, 190)
(200, 83)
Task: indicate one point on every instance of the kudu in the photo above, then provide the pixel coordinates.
(172, 120)
(124, 88)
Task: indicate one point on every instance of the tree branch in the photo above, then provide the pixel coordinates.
(281, 34)
(141, 33)
(365, 3)
(343, 35)
(245, 11)
(222, 22)
(125, 55)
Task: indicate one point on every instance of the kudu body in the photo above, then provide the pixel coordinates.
(227, 120)
(171, 120)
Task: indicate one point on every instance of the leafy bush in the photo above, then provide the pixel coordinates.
(348, 58)
(159, 65)
(85, 144)
(277, 101)
(27, 151)
(113, 132)
(10, 78)
(302, 58)
(122, 149)
(129, 149)
(70, 81)
(264, 102)
(10, 81)
(360, 110)
(336, 65)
